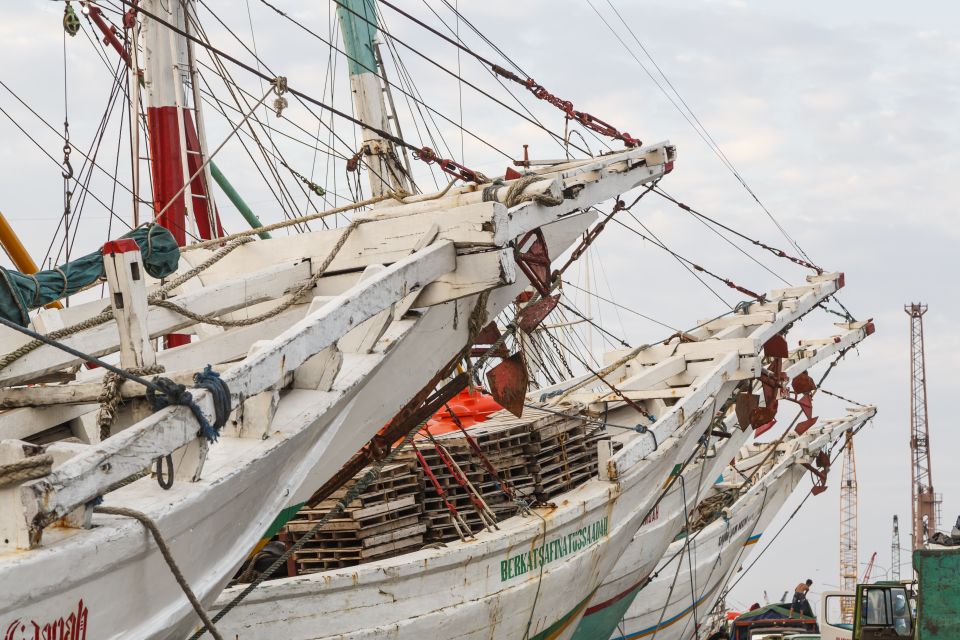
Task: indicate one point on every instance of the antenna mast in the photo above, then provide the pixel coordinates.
(358, 19)
(924, 504)
(895, 551)
(848, 529)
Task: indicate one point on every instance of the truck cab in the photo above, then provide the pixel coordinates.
(884, 611)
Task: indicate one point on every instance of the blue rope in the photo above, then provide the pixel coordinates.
(177, 394)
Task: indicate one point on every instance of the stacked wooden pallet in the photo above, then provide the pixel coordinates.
(537, 457)
(385, 520)
(564, 456)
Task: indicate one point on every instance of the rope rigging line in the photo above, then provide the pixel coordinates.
(465, 173)
(107, 314)
(585, 119)
(476, 321)
(620, 306)
(449, 166)
(462, 18)
(726, 590)
(225, 73)
(433, 62)
(699, 128)
(161, 391)
(777, 252)
(520, 104)
(154, 530)
(693, 265)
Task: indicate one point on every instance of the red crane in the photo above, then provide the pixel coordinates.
(869, 569)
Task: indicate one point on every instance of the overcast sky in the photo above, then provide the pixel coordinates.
(842, 117)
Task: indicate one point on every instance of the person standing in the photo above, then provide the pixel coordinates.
(800, 603)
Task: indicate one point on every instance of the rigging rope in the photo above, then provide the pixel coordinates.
(154, 530)
(29, 468)
(386, 135)
(585, 119)
(699, 128)
(777, 252)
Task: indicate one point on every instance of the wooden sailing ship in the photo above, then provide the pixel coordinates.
(632, 572)
(536, 572)
(128, 503)
(682, 595)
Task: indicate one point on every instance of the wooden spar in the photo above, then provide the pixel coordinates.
(86, 476)
(82, 392)
(731, 359)
(100, 340)
(383, 241)
(18, 253)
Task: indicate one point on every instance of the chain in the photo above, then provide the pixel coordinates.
(840, 397)
(310, 184)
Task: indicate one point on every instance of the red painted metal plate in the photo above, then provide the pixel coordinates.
(508, 383)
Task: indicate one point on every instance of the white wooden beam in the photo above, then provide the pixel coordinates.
(87, 476)
(123, 266)
(267, 284)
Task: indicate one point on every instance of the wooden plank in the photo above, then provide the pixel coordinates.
(391, 536)
(267, 284)
(675, 417)
(133, 449)
(475, 273)
(82, 392)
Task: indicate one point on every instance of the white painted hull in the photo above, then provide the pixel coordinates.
(496, 586)
(467, 589)
(123, 580)
(651, 541)
(690, 581)
(671, 604)
(229, 511)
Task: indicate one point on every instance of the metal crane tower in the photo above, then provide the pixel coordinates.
(895, 551)
(924, 504)
(848, 529)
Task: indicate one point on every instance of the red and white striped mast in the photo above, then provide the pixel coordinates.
(176, 138)
(176, 146)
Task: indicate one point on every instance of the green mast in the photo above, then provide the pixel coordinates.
(358, 24)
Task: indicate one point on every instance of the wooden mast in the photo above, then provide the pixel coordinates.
(357, 24)
(175, 147)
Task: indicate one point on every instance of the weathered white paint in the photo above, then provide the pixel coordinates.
(661, 528)
(718, 549)
(408, 596)
(133, 449)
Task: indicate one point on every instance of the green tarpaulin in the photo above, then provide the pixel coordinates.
(21, 292)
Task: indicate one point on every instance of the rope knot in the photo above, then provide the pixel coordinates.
(177, 394)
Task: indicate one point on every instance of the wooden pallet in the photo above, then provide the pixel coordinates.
(385, 519)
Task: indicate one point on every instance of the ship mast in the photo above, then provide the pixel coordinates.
(358, 19)
(176, 144)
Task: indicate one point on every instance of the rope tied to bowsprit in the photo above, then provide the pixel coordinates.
(172, 393)
(584, 118)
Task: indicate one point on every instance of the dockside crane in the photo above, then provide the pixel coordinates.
(925, 502)
(848, 528)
